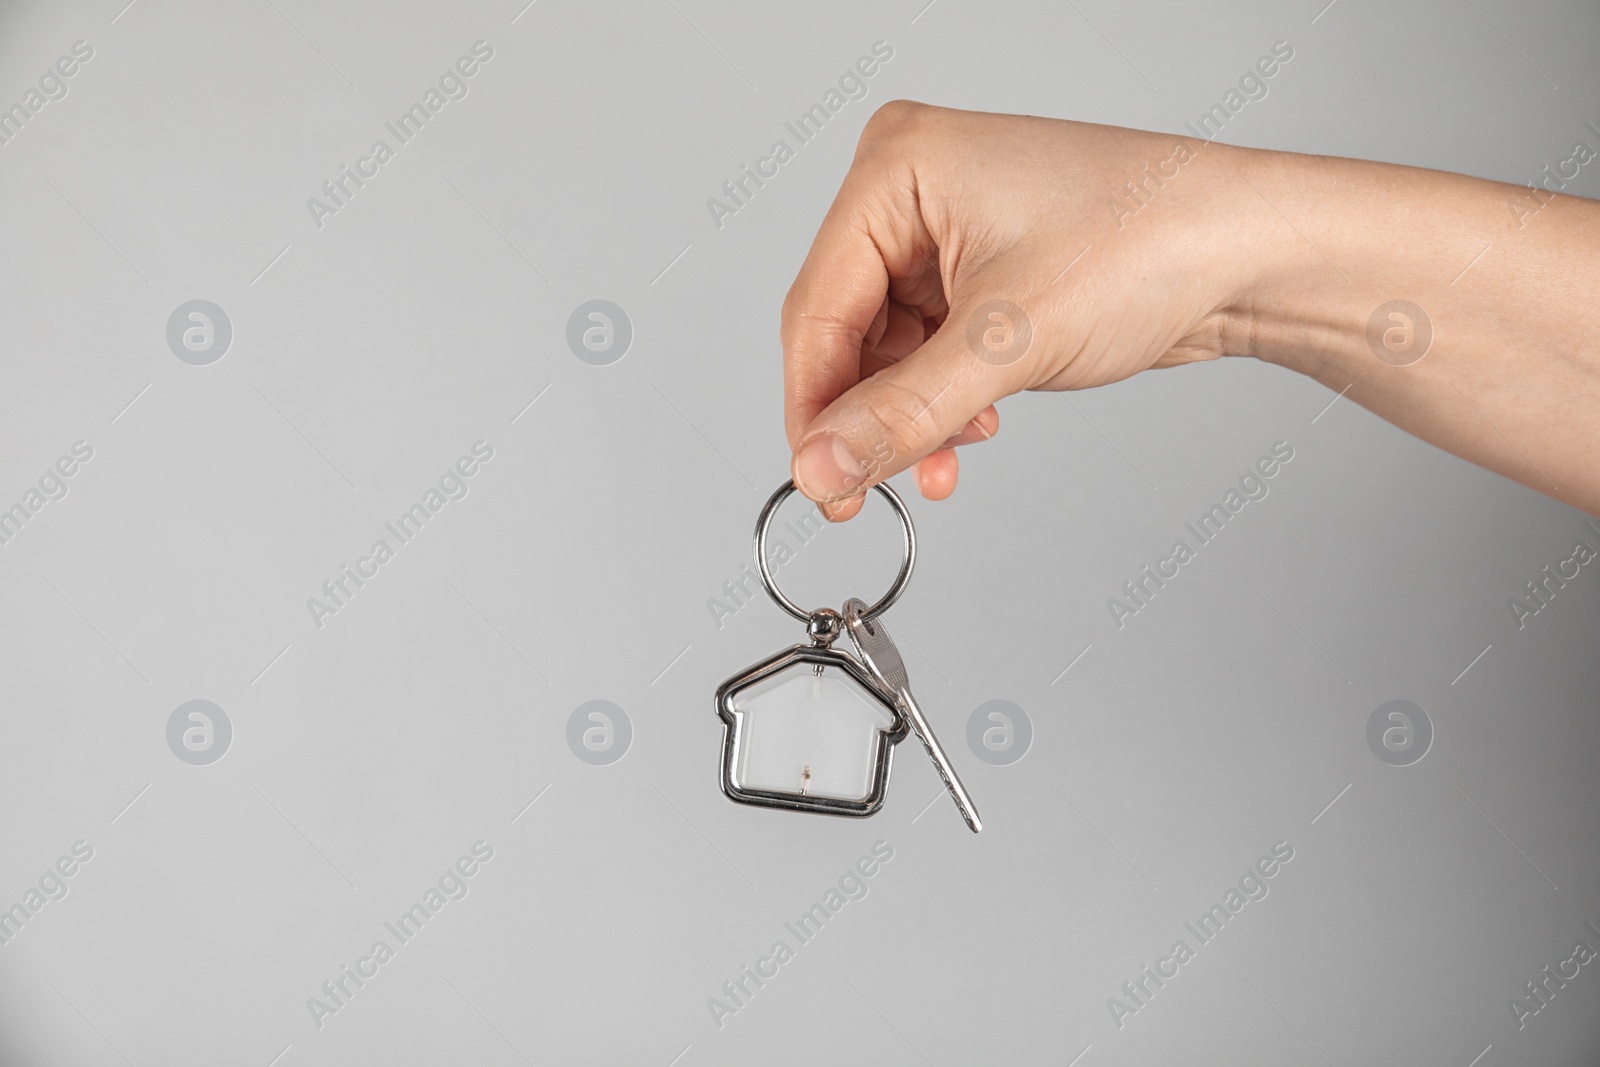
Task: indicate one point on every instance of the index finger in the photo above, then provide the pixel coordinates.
(827, 313)
(872, 244)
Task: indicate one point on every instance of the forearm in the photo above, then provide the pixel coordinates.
(1507, 280)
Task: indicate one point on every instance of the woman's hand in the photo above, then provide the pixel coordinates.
(969, 256)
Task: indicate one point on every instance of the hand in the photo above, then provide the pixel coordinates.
(970, 256)
(896, 343)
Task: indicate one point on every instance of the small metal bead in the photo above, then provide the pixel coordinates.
(824, 626)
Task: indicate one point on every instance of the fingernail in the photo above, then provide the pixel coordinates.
(826, 469)
(971, 434)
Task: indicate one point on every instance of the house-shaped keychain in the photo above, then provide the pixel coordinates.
(813, 728)
(808, 729)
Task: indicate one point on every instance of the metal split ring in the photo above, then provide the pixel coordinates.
(909, 542)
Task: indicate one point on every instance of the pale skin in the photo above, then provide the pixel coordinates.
(1240, 252)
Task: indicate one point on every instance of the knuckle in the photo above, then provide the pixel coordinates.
(893, 118)
(792, 311)
(902, 418)
(802, 332)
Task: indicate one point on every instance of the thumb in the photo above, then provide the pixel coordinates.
(890, 420)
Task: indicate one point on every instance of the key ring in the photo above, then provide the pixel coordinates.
(909, 541)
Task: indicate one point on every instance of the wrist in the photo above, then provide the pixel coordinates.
(1316, 301)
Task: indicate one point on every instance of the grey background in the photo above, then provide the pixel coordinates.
(369, 754)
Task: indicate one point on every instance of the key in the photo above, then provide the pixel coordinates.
(875, 649)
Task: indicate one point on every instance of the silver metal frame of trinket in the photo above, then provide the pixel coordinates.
(823, 626)
(732, 741)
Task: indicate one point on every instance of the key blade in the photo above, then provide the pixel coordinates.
(941, 762)
(875, 648)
